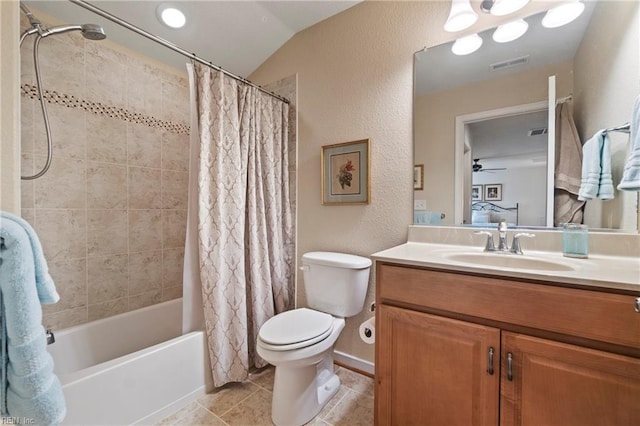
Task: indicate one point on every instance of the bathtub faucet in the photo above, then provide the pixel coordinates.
(51, 338)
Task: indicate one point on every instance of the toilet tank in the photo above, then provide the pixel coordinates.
(335, 283)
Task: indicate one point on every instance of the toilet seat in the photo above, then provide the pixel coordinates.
(295, 329)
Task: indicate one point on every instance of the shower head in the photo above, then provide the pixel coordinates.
(93, 32)
(89, 31)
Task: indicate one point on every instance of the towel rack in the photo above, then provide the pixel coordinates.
(625, 128)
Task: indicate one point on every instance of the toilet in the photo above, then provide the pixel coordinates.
(299, 343)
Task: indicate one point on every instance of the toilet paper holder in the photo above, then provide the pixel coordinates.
(367, 331)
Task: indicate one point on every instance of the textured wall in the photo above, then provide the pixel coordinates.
(434, 140)
(606, 84)
(9, 105)
(111, 211)
(355, 81)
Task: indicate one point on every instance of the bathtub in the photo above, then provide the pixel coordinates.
(132, 368)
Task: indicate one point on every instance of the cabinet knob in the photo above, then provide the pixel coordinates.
(636, 305)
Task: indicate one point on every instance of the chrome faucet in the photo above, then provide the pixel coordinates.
(502, 236)
(489, 246)
(503, 246)
(515, 245)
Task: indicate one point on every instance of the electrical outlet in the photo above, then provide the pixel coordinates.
(419, 204)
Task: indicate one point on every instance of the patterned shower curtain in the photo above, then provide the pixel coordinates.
(244, 220)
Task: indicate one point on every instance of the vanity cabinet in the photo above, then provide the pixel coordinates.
(463, 349)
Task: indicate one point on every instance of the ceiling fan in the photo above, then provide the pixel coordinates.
(477, 167)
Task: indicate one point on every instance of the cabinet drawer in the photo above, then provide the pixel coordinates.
(594, 315)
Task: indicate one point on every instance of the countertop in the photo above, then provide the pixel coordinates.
(601, 271)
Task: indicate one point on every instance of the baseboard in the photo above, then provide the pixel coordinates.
(354, 363)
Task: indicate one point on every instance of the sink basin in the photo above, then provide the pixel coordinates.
(508, 261)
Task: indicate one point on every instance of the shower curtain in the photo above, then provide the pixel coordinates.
(240, 221)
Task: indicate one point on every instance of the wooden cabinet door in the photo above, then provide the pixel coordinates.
(432, 370)
(565, 385)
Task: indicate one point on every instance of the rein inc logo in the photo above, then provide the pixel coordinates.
(17, 421)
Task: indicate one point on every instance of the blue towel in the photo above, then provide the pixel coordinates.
(31, 390)
(44, 283)
(596, 168)
(631, 173)
(426, 218)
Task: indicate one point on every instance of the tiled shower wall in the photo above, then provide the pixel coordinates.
(111, 211)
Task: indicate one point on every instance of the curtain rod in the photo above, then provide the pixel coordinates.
(170, 45)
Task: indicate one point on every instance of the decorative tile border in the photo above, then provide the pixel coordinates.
(70, 101)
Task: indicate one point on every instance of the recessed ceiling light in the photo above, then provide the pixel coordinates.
(510, 31)
(171, 16)
(563, 14)
(467, 45)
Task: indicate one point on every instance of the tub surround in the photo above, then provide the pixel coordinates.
(111, 211)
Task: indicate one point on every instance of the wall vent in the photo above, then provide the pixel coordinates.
(538, 132)
(509, 63)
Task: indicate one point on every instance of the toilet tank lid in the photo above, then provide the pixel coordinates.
(338, 260)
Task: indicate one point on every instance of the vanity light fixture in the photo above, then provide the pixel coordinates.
(171, 16)
(503, 7)
(467, 45)
(563, 14)
(461, 16)
(510, 31)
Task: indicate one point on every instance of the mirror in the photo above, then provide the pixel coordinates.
(493, 106)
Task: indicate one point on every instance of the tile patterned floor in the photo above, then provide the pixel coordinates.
(249, 404)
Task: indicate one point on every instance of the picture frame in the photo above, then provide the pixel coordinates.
(418, 177)
(477, 192)
(346, 176)
(493, 192)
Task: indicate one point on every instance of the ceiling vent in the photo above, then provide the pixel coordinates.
(538, 132)
(509, 63)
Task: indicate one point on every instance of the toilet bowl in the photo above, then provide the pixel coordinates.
(304, 377)
(299, 343)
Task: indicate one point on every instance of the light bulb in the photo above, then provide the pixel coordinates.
(467, 45)
(505, 7)
(510, 31)
(461, 16)
(563, 14)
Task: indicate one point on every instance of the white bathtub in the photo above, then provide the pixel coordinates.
(132, 368)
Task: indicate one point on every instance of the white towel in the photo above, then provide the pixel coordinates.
(596, 168)
(631, 173)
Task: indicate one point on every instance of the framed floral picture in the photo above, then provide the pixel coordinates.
(476, 193)
(493, 192)
(345, 173)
